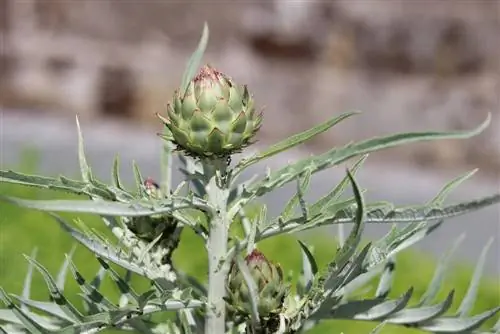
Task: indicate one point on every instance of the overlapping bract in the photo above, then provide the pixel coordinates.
(268, 278)
(214, 117)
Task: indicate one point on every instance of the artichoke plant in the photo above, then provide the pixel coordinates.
(268, 278)
(211, 118)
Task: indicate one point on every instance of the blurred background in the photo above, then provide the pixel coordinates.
(407, 65)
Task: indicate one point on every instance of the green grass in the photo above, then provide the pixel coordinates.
(21, 230)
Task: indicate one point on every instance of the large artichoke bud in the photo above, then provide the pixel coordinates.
(268, 278)
(213, 118)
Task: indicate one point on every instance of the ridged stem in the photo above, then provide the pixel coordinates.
(217, 250)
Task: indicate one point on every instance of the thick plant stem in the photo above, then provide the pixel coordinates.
(217, 251)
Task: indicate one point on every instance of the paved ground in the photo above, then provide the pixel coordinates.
(56, 140)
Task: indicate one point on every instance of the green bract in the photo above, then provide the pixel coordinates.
(268, 278)
(213, 118)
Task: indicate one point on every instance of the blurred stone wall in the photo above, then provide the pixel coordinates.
(408, 65)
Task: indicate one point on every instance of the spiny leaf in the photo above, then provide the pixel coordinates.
(355, 236)
(84, 167)
(450, 186)
(378, 328)
(115, 173)
(459, 325)
(422, 314)
(301, 189)
(48, 307)
(252, 290)
(100, 249)
(339, 189)
(309, 266)
(139, 180)
(338, 155)
(61, 183)
(55, 293)
(27, 281)
(439, 274)
(295, 140)
(194, 60)
(61, 276)
(105, 208)
(122, 285)
(31, 324)
(413, 238)
(470, 296)
(380, 216)
(386, 279)
(92, 293)
(387, 308)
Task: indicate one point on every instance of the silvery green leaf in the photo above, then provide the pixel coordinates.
(458, 325)
(115, 173)
(302, 187)
(497, 326)
(386, 279)
(55, 293)
(378, 328)
(359, 222)
(413, 238)
(99, 302)
(353, 269)
(439, 274)
(333, 195)
(387, 308)
(254, 229)
(27, 280)
(61, 275)
(470, 296)
(338, 155)
(106, 208)
(295, 140)
(84, 167)
(245, 222)
(100, 249)
(139, 180)
(309, 266)
(422, 314)
(31, 323)
(347, 310)
(122, 285)
(361, 280)
(48, 307)
(194, 60)
(440, 197)
(450, 186)
(252, 290)
(379, 216)
(61, 183)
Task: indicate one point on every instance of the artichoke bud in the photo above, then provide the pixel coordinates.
(213, 118)
(152, 188)
(268, 277)
(148, 228)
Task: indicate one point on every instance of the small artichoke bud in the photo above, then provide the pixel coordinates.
(164, 226)
(213, 118)
(268, 278)
(152, 188)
